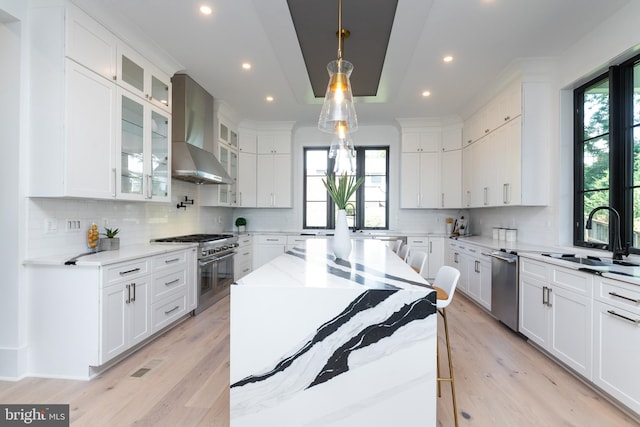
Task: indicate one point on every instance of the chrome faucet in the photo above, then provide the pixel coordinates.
(616, 247)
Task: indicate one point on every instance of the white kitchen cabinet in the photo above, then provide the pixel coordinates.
(475, 271)
(421, 140)
(267, 247)
(173, 293)
(297, 241)
(451, 179)
(228, 158)
(274, 142)
(273, 181)
(433, 246)
(617, 340)
(139, 76)
(556, 312)
(459, 260)
(247, 174)
(243, 260)
(143, 169)
(420, 180)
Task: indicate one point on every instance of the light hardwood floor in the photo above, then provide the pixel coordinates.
(500, 381)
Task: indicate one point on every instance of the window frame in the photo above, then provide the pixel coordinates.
(360, 168)
(621, 144)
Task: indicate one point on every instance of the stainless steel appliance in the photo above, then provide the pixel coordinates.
(215, 264)
(504, 288)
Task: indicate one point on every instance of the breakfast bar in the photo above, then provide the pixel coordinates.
(320, 341)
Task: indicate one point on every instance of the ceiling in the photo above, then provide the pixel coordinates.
(483, 36)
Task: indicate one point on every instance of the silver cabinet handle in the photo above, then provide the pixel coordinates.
(122, 273)
(133, 285)
(115, 176)
(549, 290)
(171, 282)
(169, 261)
(628, 319)
(173, 309)
(430, 247)
(442, 201)
(128, 294)
(613, 294)
(486, 198)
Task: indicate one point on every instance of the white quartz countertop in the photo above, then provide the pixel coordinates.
(126, 253)
(371, 265)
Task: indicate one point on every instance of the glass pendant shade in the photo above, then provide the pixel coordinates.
(342, 151)
(338, 101)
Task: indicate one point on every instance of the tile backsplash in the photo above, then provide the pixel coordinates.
(138, 221)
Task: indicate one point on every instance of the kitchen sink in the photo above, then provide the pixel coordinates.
(587, 261)
(592, 261)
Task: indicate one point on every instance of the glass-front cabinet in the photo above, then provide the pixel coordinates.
(142, 172)
(139, 76)
(228, 157)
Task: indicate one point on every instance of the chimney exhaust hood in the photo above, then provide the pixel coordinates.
(192, 129)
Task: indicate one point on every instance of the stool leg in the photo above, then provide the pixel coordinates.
(438, 366)
(453, 388)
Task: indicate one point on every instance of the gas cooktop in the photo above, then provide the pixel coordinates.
(194, 238)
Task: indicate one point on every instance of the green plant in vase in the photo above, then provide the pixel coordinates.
(341, 188)
(241, 222)
(111, 243)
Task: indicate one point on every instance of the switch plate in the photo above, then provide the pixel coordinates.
(72, 225)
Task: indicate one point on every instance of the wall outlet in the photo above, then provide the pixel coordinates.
(72, 225)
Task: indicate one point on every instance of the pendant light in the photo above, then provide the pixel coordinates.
(338, 109)
(342, 151)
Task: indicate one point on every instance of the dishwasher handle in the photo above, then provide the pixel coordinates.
(507, 258)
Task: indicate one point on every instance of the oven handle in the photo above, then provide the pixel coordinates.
(208, 261)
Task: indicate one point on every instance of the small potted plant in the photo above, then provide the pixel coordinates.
(241, 223)
(111, 242)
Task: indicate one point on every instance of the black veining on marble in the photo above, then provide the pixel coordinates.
(363, 268)
(364, 301)
(338, 363)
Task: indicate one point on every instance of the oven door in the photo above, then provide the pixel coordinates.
(214, 278)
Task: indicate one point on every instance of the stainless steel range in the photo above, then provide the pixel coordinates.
(215, 264)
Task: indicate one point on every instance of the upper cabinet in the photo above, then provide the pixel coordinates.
(95, 135)
(497, 139)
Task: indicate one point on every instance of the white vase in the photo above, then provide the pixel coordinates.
(341, 237)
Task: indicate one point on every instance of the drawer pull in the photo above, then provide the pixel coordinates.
(613, 294)
(173, 309)
(246, 253)
(169, 261)
(272, 240)
(122, 273)
(628, 319)
(171, 282)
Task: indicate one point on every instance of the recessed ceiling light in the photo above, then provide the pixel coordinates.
(206, 10)
(246, 66)
(426, 93)
(269, 98)
(448, 58)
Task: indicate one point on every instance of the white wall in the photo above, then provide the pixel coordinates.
(404, 220)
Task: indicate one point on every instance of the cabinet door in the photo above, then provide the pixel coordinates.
(436, 255)
(247, 175)
(282, 181)
(247, 141)
(485, 282)
(451, 179)
(512, 172)
(157, 164)
(534, 315)
(451, 138)
(139, 315)
(461, 262)
(90, 44)
(410, 181)
(617, 345)
(264, 185)
(571, 329)
(430, 195)
(223, 189)
(131, 73)
(131, 146)
(114, 327)
(90, 153)
(467, 176)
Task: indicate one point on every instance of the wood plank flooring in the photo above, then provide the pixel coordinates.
(500, 381)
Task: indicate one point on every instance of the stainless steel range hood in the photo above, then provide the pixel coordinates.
(192, 129)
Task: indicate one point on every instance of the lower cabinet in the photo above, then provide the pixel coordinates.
(243, 260)
(475, 271)
(616, 328)
(267, 247)
(556, 312)
(434, 248)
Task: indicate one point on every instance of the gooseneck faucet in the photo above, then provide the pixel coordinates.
(616, 247)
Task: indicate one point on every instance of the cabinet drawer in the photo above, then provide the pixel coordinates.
(297, 240)
(242, 256)
(125, 271)
(169, 260)
(417, 241)
(166, 312)
(533, 268)
(169, 283)
(271, 240)
(619, 294)
(244, 241)
(242, 270)
(576, 281)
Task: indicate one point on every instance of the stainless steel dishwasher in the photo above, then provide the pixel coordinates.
(504, 288)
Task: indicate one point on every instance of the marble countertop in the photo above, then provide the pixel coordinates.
(98, 259)
(371, 265)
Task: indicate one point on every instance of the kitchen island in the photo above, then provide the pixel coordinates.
(317, 341)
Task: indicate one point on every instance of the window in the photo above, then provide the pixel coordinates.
(607, 156)
(370, 206)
